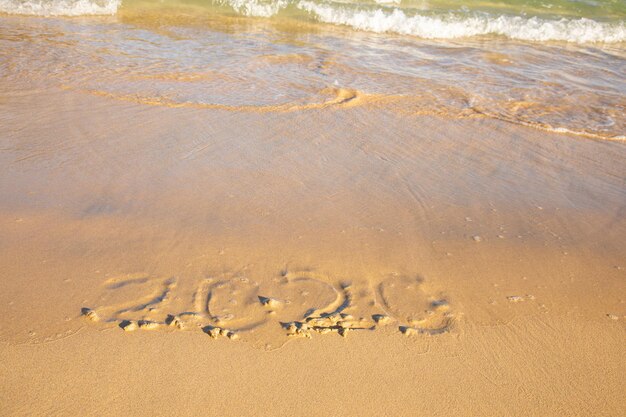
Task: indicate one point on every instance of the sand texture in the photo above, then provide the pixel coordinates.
(350, 260)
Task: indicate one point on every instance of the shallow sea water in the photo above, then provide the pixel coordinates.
(557, 66)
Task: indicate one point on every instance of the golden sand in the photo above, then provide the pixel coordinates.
(327, 261)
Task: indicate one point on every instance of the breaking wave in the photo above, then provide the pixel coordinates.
(60, 7)
(377, 16)
(456, 26)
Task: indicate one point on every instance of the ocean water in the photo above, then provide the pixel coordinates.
(555, 64)
(566, 20)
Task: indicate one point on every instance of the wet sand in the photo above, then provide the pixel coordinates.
(355, 260)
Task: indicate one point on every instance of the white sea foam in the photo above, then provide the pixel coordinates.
(456, 26)
(617, 138)
(60, 7)
(383, 18)
(257, 8)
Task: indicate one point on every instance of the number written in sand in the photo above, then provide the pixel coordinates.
(294, 304)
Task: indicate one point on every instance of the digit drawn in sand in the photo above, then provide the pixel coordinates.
(334, 321)
(405, 299)
(132, 301)
(222, 307)
(235, 303)
(296, 295)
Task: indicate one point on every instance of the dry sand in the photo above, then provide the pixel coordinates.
(473, 267)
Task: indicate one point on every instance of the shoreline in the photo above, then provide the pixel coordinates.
(520, 232)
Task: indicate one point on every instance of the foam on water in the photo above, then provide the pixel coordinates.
(380, 16)
(60, 7)
(455, 26)
(256, 8)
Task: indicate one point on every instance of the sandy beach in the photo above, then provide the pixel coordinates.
(524, 253)
(350, 253)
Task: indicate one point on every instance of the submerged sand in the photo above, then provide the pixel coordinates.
(474, 267)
